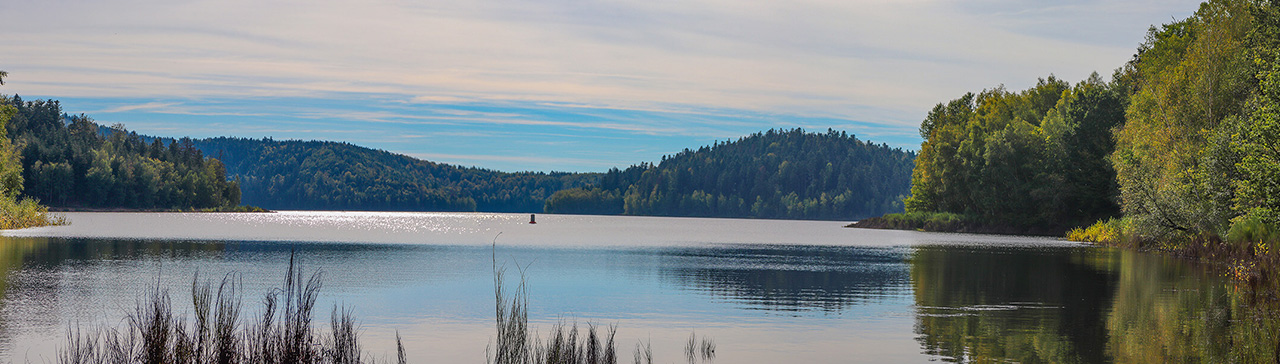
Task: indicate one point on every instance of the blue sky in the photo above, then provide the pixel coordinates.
(548, 85)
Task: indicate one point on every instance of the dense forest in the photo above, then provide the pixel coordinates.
(763, 175)
(1035, 158)
(69, 161)
(1181, 145)
(1197, 158)
(788, 174)
(321, 175)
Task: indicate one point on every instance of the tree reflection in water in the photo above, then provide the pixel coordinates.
(1061, 304)
(789, 277)
(1083, 305)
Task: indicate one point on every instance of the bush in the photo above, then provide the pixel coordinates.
(1255, 227)
(1111, 231)
(25, 213)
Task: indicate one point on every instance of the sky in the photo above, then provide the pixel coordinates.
(549, 85)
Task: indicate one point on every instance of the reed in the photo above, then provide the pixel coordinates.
(565, 344)
(283, 333)
(643, 353)
(517, 344)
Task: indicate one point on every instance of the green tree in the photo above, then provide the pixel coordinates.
(71, 161)
(1258, 139)
(1033, 159)
(774, 174)
(1192, 81)
(15, 212)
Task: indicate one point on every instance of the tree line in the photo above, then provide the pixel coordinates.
(294, 174)
(776, 174)
(1181, 145)
(70, 161)
(16, 212)
(1032, 158)
(789, 174)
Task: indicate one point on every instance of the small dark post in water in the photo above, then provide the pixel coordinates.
(532, 219)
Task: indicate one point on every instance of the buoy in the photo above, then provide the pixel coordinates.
(533, 219)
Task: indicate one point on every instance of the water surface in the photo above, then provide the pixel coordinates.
(766, 291)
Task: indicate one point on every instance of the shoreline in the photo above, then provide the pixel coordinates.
(951, 224)
(245, 209)
(1254, 266)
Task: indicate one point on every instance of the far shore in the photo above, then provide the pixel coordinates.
(238, 209)
(950, 223)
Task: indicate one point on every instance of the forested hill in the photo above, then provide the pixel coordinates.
(295, 174)
(68, 161)
(776, 174)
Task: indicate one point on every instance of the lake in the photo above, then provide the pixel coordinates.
(765, 291)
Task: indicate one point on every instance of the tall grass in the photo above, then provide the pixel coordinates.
(565, 344)
(699, 351)
(283, 333)
(516, 344)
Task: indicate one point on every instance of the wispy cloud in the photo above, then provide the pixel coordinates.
(439, 99)
(689, 70)
(805, 56)
(146, 106)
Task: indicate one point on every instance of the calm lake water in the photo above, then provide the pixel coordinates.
(765, 291)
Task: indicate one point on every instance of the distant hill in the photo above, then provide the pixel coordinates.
(788, 174)
(293, 174)
(71, 162)
(775, 174)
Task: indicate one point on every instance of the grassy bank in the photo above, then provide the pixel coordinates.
(953, 223)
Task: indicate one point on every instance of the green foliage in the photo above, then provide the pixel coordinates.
(789, 174)
(1253, 227)
(1257, 139)
(593, 201)
(1033, 158)
(339, 176)
(10, 166)
(1112, 231)
(1192, 75)
(16, 212)
(24, 213)
(918, 220)
(1197, 158)
(70, 161)
(775, 174)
